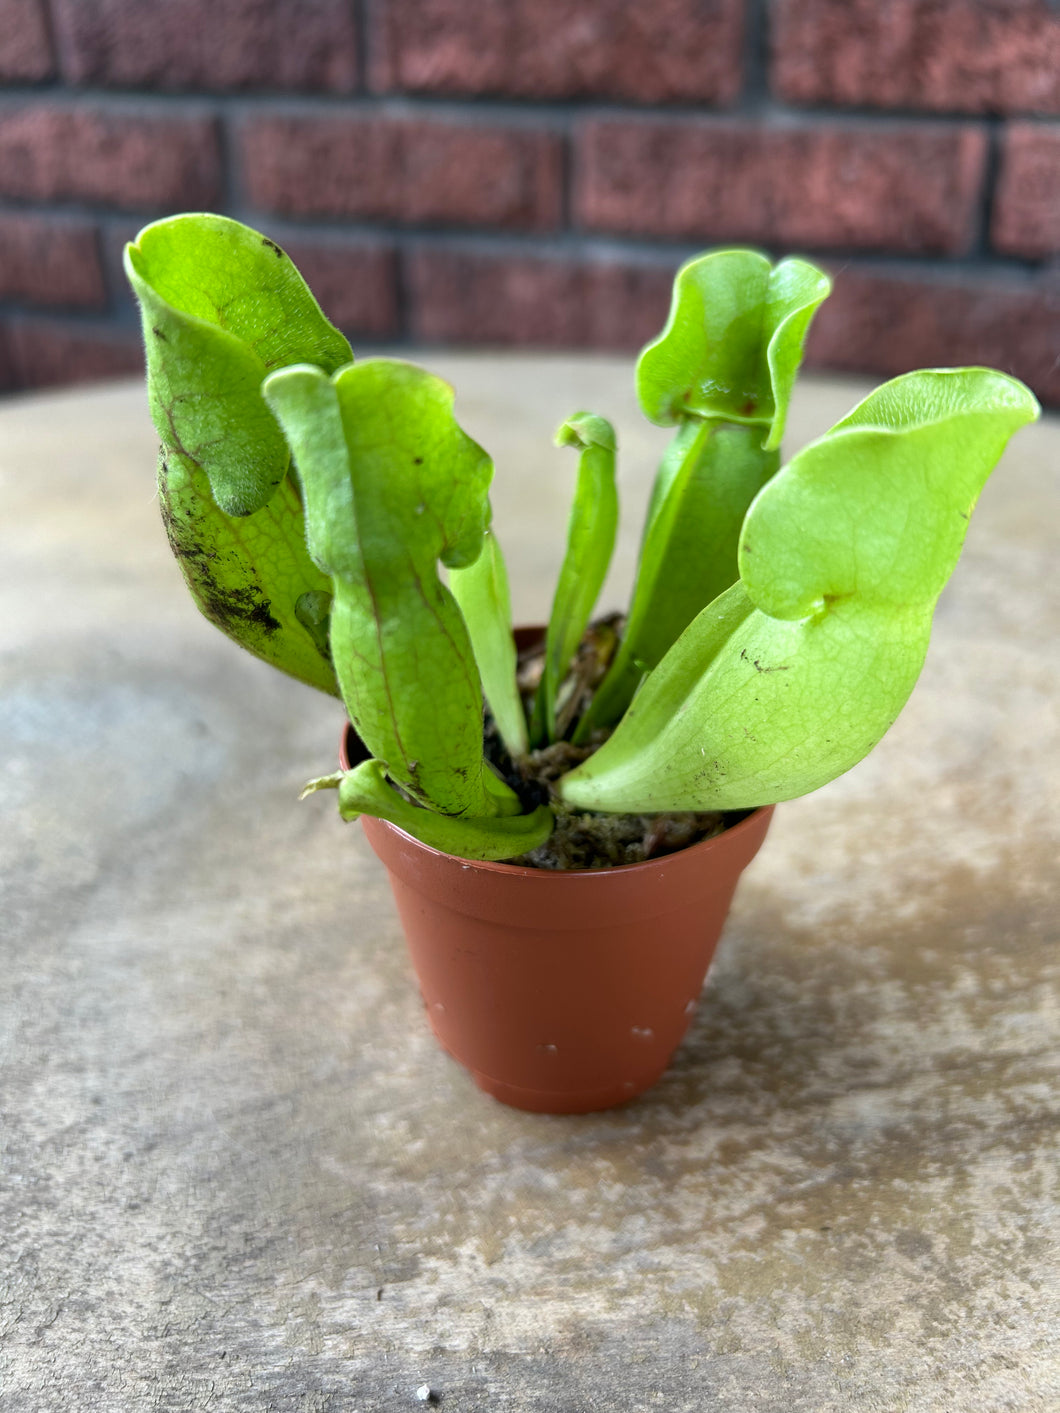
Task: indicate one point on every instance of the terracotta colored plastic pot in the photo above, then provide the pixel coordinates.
(567, 992)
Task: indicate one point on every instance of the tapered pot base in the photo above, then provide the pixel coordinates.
(565, 992)
(587, 1101)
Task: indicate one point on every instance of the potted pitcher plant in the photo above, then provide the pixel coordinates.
(564, 812)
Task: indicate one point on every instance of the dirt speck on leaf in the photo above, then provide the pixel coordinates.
(231, 608)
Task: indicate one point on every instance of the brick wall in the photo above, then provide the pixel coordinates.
(531, 172)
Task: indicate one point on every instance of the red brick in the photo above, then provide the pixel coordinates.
(139, 160)
(485, 299)
(25, 52)
(7, 367)
(960, 56)
(403, 170)
(355, 284)
(48, 261)
(888, 324)
(48, 352)
(668, 51)
(202, 44)
(1027, 204)
(907, 188)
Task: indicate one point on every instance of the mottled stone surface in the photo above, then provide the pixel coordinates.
(237, 1173)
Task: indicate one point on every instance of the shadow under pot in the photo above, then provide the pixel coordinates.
(561, 992)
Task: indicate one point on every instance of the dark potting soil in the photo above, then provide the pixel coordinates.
(587, 839)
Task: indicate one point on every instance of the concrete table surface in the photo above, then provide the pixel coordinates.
(237, 1172)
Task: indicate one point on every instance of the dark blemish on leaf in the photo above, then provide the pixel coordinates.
(413, 784)
(758, 665)
(749, 406)
(232, 609)
(963, 514)
(271, 245)
(160, 335)
(417, 461)
(188, 547)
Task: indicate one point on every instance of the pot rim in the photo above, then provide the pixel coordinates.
(526, 635)
(608, 870)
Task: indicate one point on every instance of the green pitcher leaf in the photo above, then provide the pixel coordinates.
(797, 672)
(222, 305)
(252, 576)
(591, 532)
(733, 342)
(878, 508)
(391, 486)
(481, 590)
(709, 476)
(364, 790)
(722, 370)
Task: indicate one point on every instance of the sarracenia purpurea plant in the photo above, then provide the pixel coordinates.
(780, 614)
